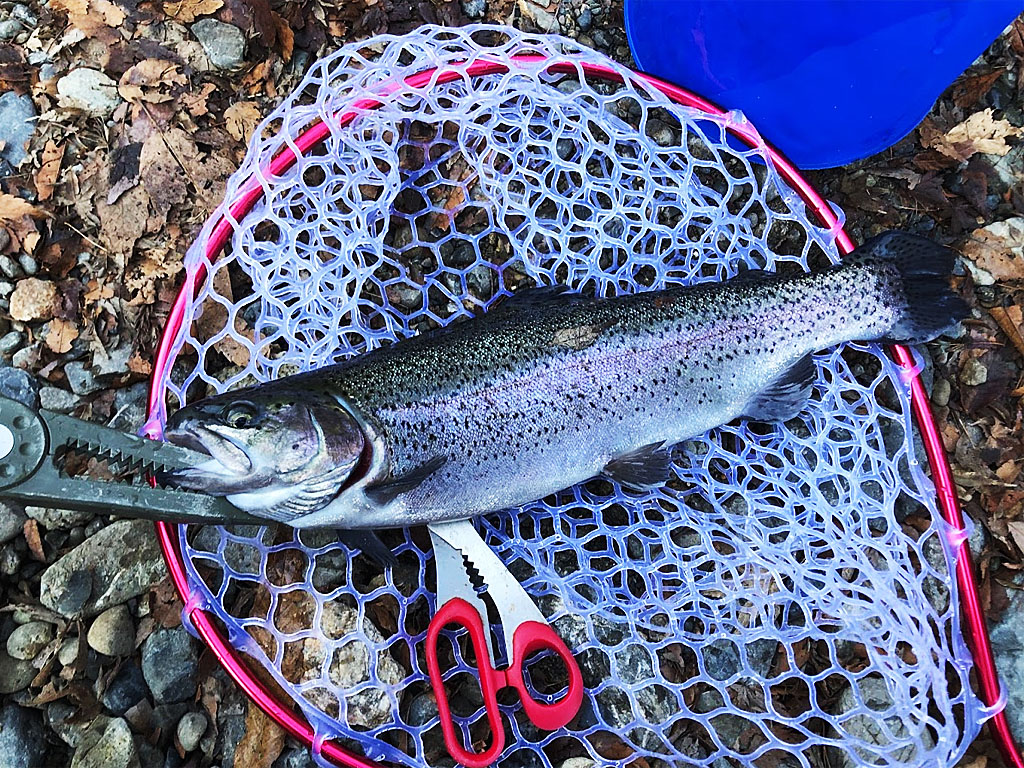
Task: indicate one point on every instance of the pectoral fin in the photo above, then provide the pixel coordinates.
(642, 469)
(388, 490)
(785, 397)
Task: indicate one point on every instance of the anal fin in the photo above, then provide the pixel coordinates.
(646, 467)
(785, 397)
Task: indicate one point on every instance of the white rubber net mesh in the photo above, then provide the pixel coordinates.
(788, 599)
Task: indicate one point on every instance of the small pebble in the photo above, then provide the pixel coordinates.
(10, 267)
(224, 43)
(29, 264)
(191, 728)
(973, 373)
(28, 640)
(585, 19)
(68, 651)
(15, 674)
(474, 9)
(57, 519)
(940, 392)
(12, 522)
(10, 341)
(126, 690)
(22, 737)
(170, 665)
(10, 559)
(112, 632)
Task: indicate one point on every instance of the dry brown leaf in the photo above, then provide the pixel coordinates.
(165, 604)
(60, 335)
(262, 742)
(195, 100)
(187, 11)
(35, 542)
(112, 15)
(151, 80)
(139, 364)
(167, 160)
(49, 170)
(13, 208)
(1016, 529)
(34, 299)
(978, 133)
(241, 119)
(998, 250)
(285, 37)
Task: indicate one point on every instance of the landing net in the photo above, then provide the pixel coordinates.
(788, 599)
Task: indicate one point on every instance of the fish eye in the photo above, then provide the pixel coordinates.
(239, 415)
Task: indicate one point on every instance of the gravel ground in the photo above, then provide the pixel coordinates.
(96, 669)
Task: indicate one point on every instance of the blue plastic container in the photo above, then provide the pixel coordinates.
(827, 82)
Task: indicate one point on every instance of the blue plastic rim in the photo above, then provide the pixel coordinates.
(831, 81)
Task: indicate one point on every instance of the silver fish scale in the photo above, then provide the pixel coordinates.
(548, 389)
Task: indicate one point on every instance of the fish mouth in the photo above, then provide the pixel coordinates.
(229, 464)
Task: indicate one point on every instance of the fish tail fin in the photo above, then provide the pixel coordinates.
(914, 286)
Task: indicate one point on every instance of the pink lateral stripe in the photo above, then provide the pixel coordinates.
(942, 477)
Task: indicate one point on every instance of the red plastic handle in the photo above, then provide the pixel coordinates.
(529, 637)
(533, 636)
(458, 611)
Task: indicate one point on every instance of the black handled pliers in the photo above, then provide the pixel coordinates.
(43, 453)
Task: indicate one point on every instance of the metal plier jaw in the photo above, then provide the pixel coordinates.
(35, 448)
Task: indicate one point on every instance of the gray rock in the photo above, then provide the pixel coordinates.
(112, 632)
(28, 263)
(61, 717)
(58, 519)
(474, 9)
(15, 674)
(190, 729)
(170, 665)
(17, 124)
(224, 43)
(130, 407)
(11, 341)
(541, 18)
(1007, 635)
(876, 722)
(578, 762)
(19, 385)
(106, 745)
(126, 690)
(12, 522)
(298, 757)
(56, 399)
(28, 640)
(123, 560)
(81, 379)
(22, 738)
(721, 658)
(10, 559)
(585, 19)
(23, 13)
(973, 373)
(10, 29)
(89, 90)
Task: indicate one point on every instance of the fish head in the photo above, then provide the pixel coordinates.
(267, 445)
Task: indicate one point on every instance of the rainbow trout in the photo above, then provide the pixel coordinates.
(549, 389)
